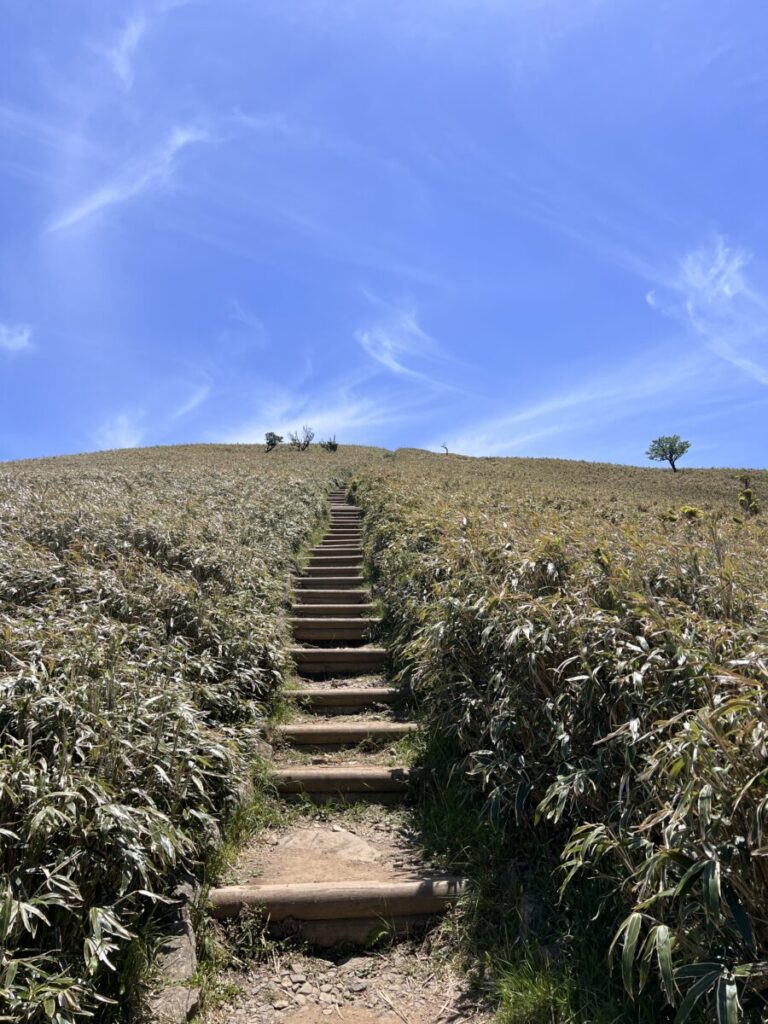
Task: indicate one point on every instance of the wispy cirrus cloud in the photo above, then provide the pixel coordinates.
(714, 298)
(599, 401)
(120, 430)
(120, 55)
(340, 415)
(195, 399)
(396, 340)
(16, 337)
(348, 408)
(138, 177)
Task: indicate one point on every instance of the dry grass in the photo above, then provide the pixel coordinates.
(142, 636)
(594, 640)
(597, 655)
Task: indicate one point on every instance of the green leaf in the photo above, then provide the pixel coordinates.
(664, 958)
(727, 1000)
(631, 927)
(741, 918)
(694, 993)
(712, 886)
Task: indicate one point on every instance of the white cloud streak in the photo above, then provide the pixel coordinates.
(598, 402)
(397, 339)
(713, 297)
(155, 169)
(16, 338)
(120, 56)
(198, 396)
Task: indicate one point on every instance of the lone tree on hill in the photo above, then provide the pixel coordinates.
(303, 440)
(668, 449)
(331, 445)
(273, 440)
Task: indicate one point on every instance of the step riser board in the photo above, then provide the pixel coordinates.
(334, 548)
(338, 622)
(341, 780)
(337, 595)
(332, 570)
(331, 583)
(329, 559)
(340, 634)
(329, 901)
(325, 660)
(346, 733)
(306, 630)
(334, 698)
(332, 611)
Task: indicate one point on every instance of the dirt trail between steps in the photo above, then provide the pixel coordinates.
(336, 868)
(402, 985)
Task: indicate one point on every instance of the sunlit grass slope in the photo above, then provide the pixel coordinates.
(142, 635)
(593, 642)
(591, 639)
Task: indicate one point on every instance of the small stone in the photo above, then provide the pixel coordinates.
(298, 979)
(306, 989)
(325, 988)
(356, 963)
(300, 999)
(280, 1004)
(358, 986)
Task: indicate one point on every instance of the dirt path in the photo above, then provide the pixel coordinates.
(336, 882)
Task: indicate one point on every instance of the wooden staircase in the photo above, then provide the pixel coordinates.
(336, 653)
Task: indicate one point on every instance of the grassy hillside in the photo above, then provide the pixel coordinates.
(591, 639)
(589, 645)
(142, 635)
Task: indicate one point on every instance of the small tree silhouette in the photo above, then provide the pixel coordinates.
(330, 445)
(273, 440)
(303, 440)
(668, 449)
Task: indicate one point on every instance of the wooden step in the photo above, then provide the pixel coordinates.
(322, 901)
(332, 611)
(320, 734)
(334, 558)
(313, 582)
(333, 567)
(317, 698)
(325, 628)
(336, 547)
(337, 543)
(329, 596)
(340, 779)
(316, 660)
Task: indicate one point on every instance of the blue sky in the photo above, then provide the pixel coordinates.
(526, 227)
